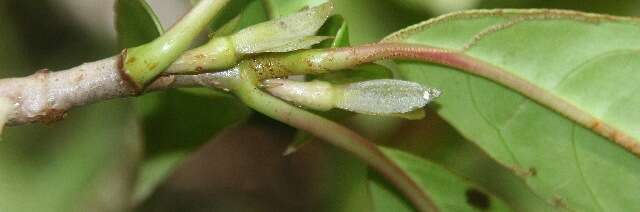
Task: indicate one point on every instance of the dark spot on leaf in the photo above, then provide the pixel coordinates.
(478, 199)
(533, 171)
(131, 60)
(558, 202)
(151, 66)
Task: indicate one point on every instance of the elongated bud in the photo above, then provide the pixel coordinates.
(273, 35)
(377, 97)
(288, 33)
(385, 96)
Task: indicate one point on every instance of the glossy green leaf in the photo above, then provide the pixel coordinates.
(584, 60)
(449, 192)
(136, 23)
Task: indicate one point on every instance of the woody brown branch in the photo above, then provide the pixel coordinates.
(46, 96)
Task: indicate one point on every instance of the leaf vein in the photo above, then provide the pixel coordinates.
(581, 171)
(496, 128)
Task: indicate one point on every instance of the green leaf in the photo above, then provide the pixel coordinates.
(436, 141)
(337, 27)
(136, 23)
(449, 192)
(585, 62)
(621, 7)
(73, 164)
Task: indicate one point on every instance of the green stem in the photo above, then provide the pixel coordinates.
(318, 61)
(333, 133)
(144, 63)
(218, 54)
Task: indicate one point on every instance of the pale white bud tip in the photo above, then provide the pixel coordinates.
(385, 97)
(431, 93)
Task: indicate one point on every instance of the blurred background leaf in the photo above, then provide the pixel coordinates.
(136, 23)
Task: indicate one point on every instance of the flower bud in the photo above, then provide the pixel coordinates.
(385, 96)
(377, 97)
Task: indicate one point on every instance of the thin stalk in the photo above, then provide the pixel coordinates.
(142, 64)
(333, 133)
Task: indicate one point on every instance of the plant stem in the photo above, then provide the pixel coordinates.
(333, 133)
(32, 106)
(144, 63)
